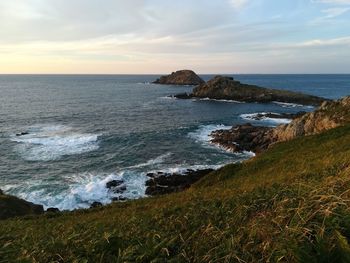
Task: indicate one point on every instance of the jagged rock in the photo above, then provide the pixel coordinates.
(117, 186)
(11, 206)
(163, 183)
(229, 89)
(52, 210)
(181, 77)
(329, 115)
(243, 138)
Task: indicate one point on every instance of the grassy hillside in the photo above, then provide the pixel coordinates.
(289, 204)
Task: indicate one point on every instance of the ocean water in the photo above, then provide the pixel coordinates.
(85, 130)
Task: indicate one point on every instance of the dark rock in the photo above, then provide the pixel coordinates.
(114, 183)
(182, 96)
(229, 89)
(1, 192)
(117, 186)
(52, 210)
(95, 204)
(150, 175)
(244, 138)
(11, 206)
(181, 77)
(169, 183)
(22, 133)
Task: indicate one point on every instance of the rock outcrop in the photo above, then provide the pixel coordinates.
(226, 88)
(243, 138)
(164, 183)
(330, 114)
(181, 77)
(11, 206)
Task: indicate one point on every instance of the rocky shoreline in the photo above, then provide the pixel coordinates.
(226, 88)
(239, 138)
(247, 137)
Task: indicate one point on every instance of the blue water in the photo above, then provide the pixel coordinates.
(85, 130)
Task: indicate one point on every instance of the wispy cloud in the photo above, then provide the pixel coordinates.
(334, 12)
(333, 2)
(238, 3)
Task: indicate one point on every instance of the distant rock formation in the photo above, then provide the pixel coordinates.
(11, 206)
(226, 88)
(330, 114)
(181, 77)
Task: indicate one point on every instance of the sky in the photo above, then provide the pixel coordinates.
(161, 36)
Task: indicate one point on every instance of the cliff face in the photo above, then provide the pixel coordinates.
(329, 115)
(227, 88)
(181, 77)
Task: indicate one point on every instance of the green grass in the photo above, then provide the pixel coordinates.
(290, 204)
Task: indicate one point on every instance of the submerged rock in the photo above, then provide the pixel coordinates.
(165, 183)
(181, 77)
(11, 206)
(22, 133)
(226, 88)
(182, 96)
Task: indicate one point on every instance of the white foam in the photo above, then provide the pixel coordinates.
(291, 105)
(82, 190)
(252, 117)
(203, 133)
(218, 100)
(158, 160)
(203, 136)
(50, 142)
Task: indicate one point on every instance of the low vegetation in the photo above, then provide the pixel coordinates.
(290, 204)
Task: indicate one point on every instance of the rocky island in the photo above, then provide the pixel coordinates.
(226, 88)
(180, 77)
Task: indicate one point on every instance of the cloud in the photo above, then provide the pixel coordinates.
(336, 11)
(334, 2)
(238, 3)
(145, 36)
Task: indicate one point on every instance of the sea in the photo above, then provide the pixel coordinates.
(82, 131)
